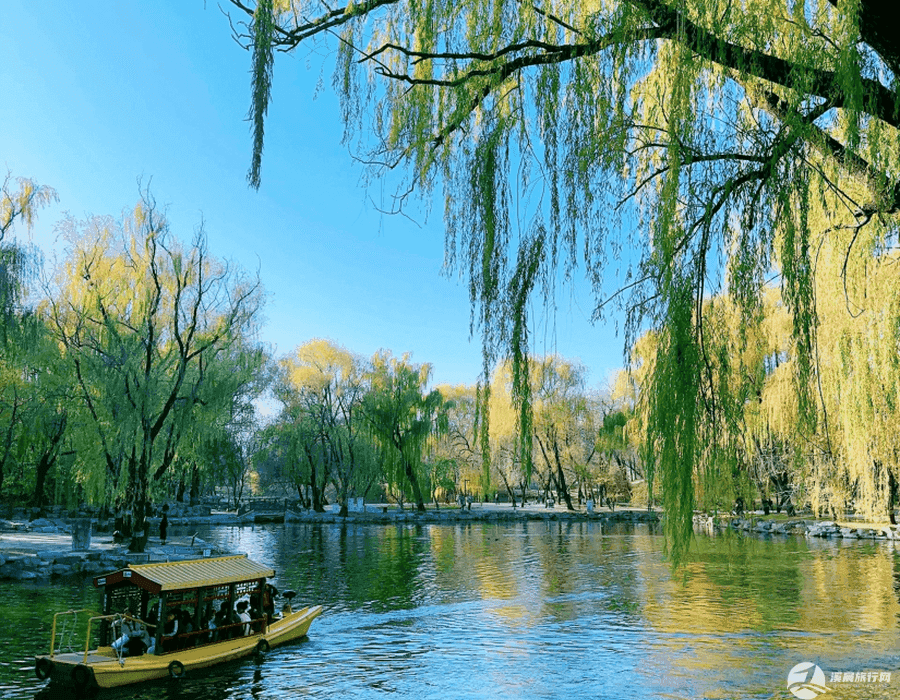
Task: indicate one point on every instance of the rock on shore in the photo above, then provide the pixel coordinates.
(806, 528)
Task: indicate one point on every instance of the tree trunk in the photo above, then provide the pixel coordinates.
(48, 459)
(317, 503)
(195, 485)
(411, 476)
(7, 443)
(562, 489)
(892, 497)
(303, 495)
(783, 496)
(43, 468)
(315, 500)
(342, 497)
(139, 487)
(509, 490)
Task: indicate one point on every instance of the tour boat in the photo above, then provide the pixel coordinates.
(155, 595)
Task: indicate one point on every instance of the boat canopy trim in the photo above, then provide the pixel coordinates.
(180, 575)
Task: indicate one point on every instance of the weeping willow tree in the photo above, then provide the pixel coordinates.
(859, 379)
(849, 458)
(688, 143)
(829, 445)
(403, 415)
(21, 203)
(18, 262)
(29, 420)
(325, 383)
(146, 323)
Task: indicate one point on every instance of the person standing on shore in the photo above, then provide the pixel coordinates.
(163, 527)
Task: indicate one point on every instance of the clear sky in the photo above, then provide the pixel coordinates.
(99, 94)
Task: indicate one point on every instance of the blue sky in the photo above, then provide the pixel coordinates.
(100, 94)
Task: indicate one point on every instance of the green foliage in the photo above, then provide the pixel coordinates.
(459, 450)
(673, 403)
(228, 463)
(289, 453)
(482, 428)
(21, 204)
(18, 262)
(32, 413)
(564, 424)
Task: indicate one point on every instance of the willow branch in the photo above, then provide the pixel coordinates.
(886, 198)
(881, 102)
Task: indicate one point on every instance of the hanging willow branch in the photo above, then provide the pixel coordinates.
(263, 32)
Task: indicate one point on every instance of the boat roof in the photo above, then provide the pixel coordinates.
(194, 573)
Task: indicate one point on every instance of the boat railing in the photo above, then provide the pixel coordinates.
(66, 631)
(185, 639)
(87, 637)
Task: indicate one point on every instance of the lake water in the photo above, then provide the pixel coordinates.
(533, 610)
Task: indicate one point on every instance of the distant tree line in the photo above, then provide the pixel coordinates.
(131, 373)
(372, 428)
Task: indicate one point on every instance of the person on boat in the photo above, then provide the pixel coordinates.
(128, 628)
(244, 616)
(170, 629)
(153, 619)
(219, 622)
(185, 627)
(140, 643)
(268, 601)
(208, 622)
(236, 620)
(256, 614)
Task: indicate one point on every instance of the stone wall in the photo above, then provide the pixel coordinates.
(455, 515)
(46, 565)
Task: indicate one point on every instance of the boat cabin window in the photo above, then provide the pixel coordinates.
(117, 600)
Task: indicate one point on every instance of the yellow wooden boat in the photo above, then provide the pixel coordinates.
(186, 594)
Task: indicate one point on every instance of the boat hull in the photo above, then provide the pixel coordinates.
(101, 669)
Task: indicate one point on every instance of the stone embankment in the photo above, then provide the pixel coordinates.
(760, 524)
(44, 548)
